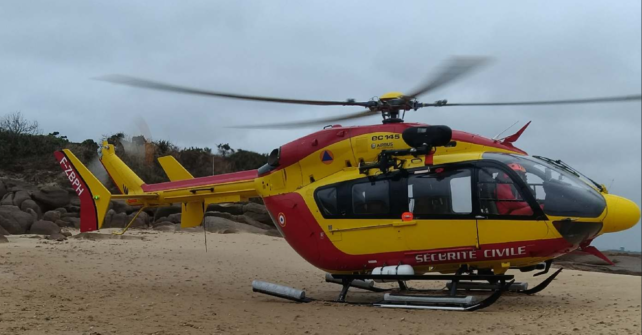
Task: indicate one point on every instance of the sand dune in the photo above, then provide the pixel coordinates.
(165, 283)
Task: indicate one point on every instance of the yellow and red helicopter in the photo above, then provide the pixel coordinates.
(393, 201)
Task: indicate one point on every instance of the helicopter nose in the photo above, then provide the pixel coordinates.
(622, 214)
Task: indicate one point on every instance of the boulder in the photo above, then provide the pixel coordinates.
(51, 197)
(116, 220)
(3, 239)
(3, 232)
(15, 221)
(7, 199)
(122, 207)
(33, 214)
(235, 209)
(66, 233)
(30, 204)
(248, 220)
(176, 218)
(62, 223)
(261, 217)
(140, 222)
(21, 196)
(162, 223)
(3, 189)
(44, 228)
(74, 200)
(164, 212)
(169, 228)
(69, 222)
(56, 237)
(52, 216)
(215, 224)
(70, 215)
(222, 215)
(61, 210)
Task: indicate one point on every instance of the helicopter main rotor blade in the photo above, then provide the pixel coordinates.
(316, 122)
(155, 85)
(454, 69)
(545, 102)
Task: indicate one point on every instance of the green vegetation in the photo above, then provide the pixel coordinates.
(24, 150)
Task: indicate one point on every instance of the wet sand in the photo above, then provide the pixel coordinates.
(167, 284)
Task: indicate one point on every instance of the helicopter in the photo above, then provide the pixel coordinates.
(392, 202)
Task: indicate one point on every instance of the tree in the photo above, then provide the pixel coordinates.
(16, 124)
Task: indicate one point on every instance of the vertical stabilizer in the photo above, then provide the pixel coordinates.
(125, 179)
(94, 196)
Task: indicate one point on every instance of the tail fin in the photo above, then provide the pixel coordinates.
(94, 196)
(174, 170)
(125, 179)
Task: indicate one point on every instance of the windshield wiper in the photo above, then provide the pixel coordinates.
(560, 164)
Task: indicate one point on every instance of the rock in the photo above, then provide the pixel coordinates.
(3, 231)
(176, 218)
(140, 222)
(164, 212)
(74, 200)
(30, 204)
(248, 220)
(71, 222)
(116, 220)
(72, 209)
(3, 189)
(56, 237)
(15, 221)
(62, 223)
(168, 228)
(66, 233)
(261, 217)
(70, 215)
(162, 223)
(21, 196)
(222, 215)
(61, 210)
(215, 224)
(253, 207)
(7, 199)
(51, 197)
(235, 209)
(44, 228)
(33, 214)
(3, 239)
(52, 216)
(122, 207)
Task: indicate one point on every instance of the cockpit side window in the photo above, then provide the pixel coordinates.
(557, 191)
(499, 195)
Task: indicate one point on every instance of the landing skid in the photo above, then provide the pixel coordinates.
(404, 297)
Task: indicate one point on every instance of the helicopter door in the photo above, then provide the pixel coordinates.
(508, 212)
(441, 201)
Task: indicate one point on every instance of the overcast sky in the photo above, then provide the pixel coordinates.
(50, 50)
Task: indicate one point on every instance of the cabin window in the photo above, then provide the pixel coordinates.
(327, 200)
(498, 194)
(441, 193)
(371, 197)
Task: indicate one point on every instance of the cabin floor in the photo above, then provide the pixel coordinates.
(165, 283)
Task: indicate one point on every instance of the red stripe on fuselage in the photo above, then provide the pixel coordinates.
(307, 238)
(202, 181)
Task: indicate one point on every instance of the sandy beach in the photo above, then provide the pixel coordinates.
(166, 283)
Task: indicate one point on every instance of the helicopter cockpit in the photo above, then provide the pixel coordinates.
(557, 188)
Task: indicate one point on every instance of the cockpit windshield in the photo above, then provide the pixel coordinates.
(557, 187)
